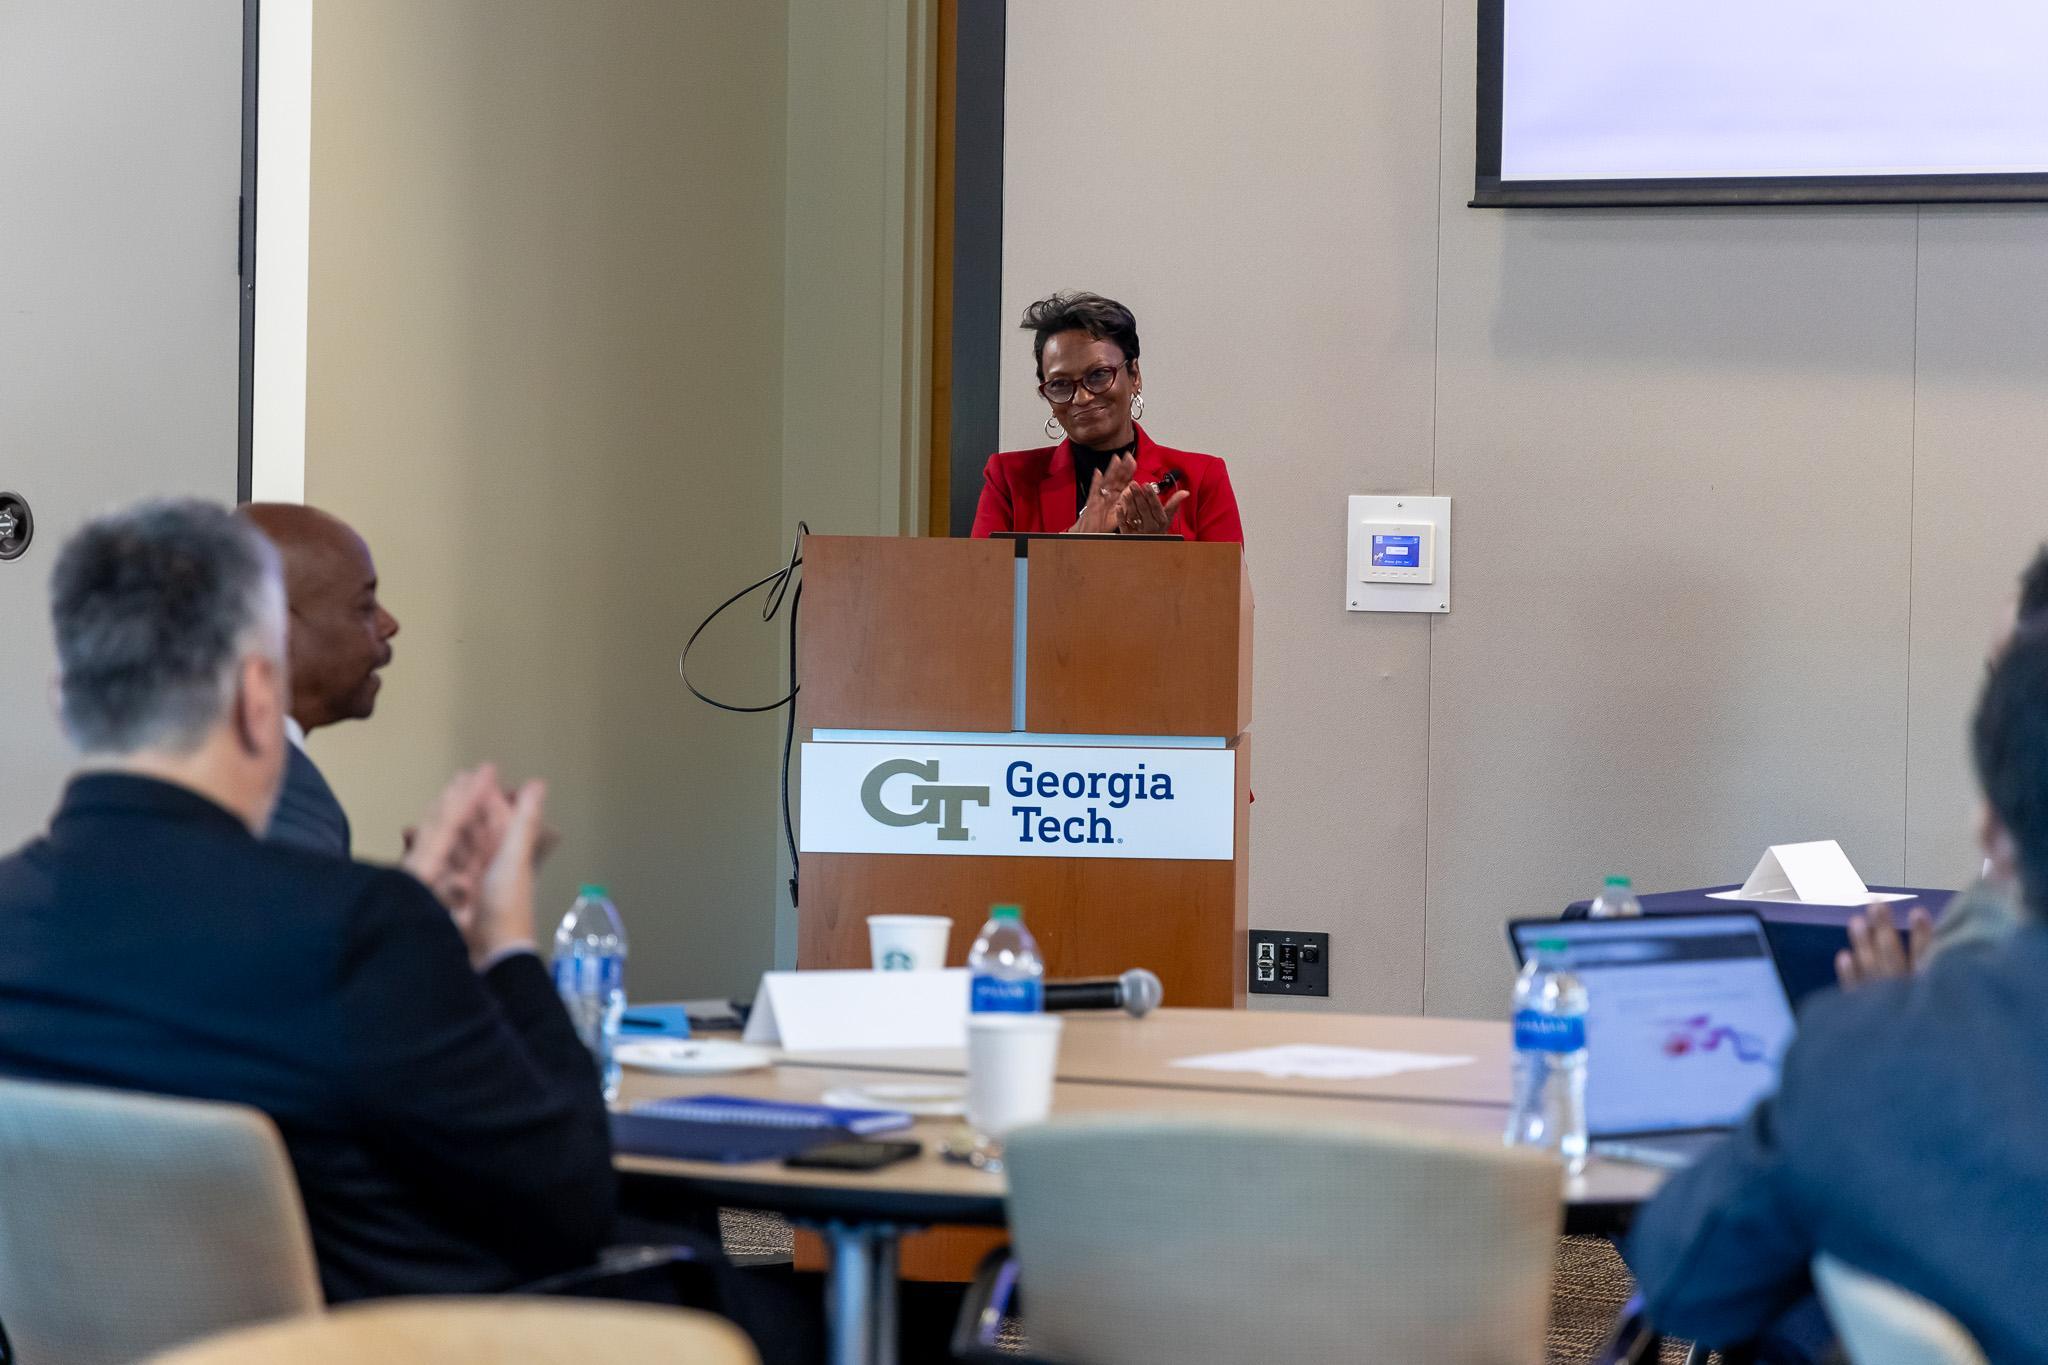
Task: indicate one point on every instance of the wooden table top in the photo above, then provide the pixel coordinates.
(1110, 1047)
(1111, 1064)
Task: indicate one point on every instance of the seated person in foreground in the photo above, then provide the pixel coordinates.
(339, 639)
(1906, 1134)
(445, 1124)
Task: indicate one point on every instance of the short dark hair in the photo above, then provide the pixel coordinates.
(2033, 603)
(2009, 738)
(153, 608)
(1079, 311)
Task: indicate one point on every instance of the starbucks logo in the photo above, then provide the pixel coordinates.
(896, 960)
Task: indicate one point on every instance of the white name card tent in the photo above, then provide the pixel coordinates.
(857, 1011)
(1812, 873)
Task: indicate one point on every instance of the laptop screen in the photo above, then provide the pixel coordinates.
(1686, 1017)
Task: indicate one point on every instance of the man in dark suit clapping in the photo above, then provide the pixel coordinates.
(444, 1122)
(340, 638)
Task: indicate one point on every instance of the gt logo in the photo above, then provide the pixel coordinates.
(936, 805)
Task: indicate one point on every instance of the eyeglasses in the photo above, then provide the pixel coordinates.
(1096, 380)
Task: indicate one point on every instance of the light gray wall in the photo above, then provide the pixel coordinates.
(1739, 494)
(119, 306)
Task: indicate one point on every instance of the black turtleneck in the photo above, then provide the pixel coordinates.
(1088, 462)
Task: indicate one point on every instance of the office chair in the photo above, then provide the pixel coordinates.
(482, 1331)
(131, 1223)
(1635, 1342)
(1882, 1324)
(1165, 1242)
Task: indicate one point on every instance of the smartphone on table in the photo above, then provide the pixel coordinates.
(857, 1155)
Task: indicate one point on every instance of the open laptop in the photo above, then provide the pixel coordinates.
(1687, 1020)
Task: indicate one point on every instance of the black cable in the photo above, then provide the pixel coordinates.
(796, 549)
(782, 579)
(789, 741)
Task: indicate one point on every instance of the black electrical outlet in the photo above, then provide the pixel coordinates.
(1289, 962)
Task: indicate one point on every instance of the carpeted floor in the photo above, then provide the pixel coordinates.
(1591, 1284)
(1590, 1287)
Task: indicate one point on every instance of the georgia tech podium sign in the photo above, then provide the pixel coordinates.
(1004, 801)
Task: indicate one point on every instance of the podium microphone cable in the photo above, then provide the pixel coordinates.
(782, 580)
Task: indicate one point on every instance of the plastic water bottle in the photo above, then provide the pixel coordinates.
(1549, 1109)
(1617, 900)
(1004, 965)
(590, 976)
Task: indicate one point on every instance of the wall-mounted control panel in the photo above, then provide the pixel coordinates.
(1289, 962)
(1399, 555)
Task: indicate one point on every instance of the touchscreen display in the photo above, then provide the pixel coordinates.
(1396, 552)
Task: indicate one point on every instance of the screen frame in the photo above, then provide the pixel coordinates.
(1490, 191)
(1763, 929)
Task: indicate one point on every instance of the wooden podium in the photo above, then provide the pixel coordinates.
(980, 654)
(1001, 658)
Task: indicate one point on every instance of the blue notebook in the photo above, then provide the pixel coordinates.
(731, 1128)
(687, 1140)
(774, 1113)
(655, 1021)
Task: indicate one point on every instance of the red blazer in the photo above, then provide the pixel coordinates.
(1033, 490)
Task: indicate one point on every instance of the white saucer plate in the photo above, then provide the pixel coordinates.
(688, 1057)
(925, 1100)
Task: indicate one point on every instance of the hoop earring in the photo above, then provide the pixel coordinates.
(1052, 429)
(1137, 406)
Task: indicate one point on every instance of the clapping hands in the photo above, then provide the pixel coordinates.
(477, 851)
(1877, 951)
(1118, 503)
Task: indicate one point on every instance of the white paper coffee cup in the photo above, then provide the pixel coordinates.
(908, 943)
(1011, 1062)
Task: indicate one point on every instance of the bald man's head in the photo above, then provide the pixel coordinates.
(340, 632)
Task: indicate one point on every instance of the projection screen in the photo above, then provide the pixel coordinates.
(1585, 102)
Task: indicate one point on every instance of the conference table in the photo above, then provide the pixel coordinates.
(1109, 1064)
(1804, 938)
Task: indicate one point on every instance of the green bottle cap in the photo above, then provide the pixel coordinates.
(594, 891)
(1617, 881)
(1552, 945)
(1005, 912)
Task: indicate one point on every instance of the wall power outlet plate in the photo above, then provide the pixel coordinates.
(1289, 962)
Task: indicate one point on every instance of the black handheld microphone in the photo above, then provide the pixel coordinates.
(1137, 993)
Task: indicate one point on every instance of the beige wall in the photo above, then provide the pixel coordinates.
(1739, 494)
(854, 323)
(546, 359)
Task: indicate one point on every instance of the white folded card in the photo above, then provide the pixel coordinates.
(1320, 1062)
(1812, 873)
(855, 1011)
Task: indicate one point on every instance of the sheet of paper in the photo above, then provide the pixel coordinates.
(1788, 898)
(1315, 1061)
(851, 1011)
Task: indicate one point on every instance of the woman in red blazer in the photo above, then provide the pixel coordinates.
(1107, 476)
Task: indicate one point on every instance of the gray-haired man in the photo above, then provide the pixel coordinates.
(445, 1124)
